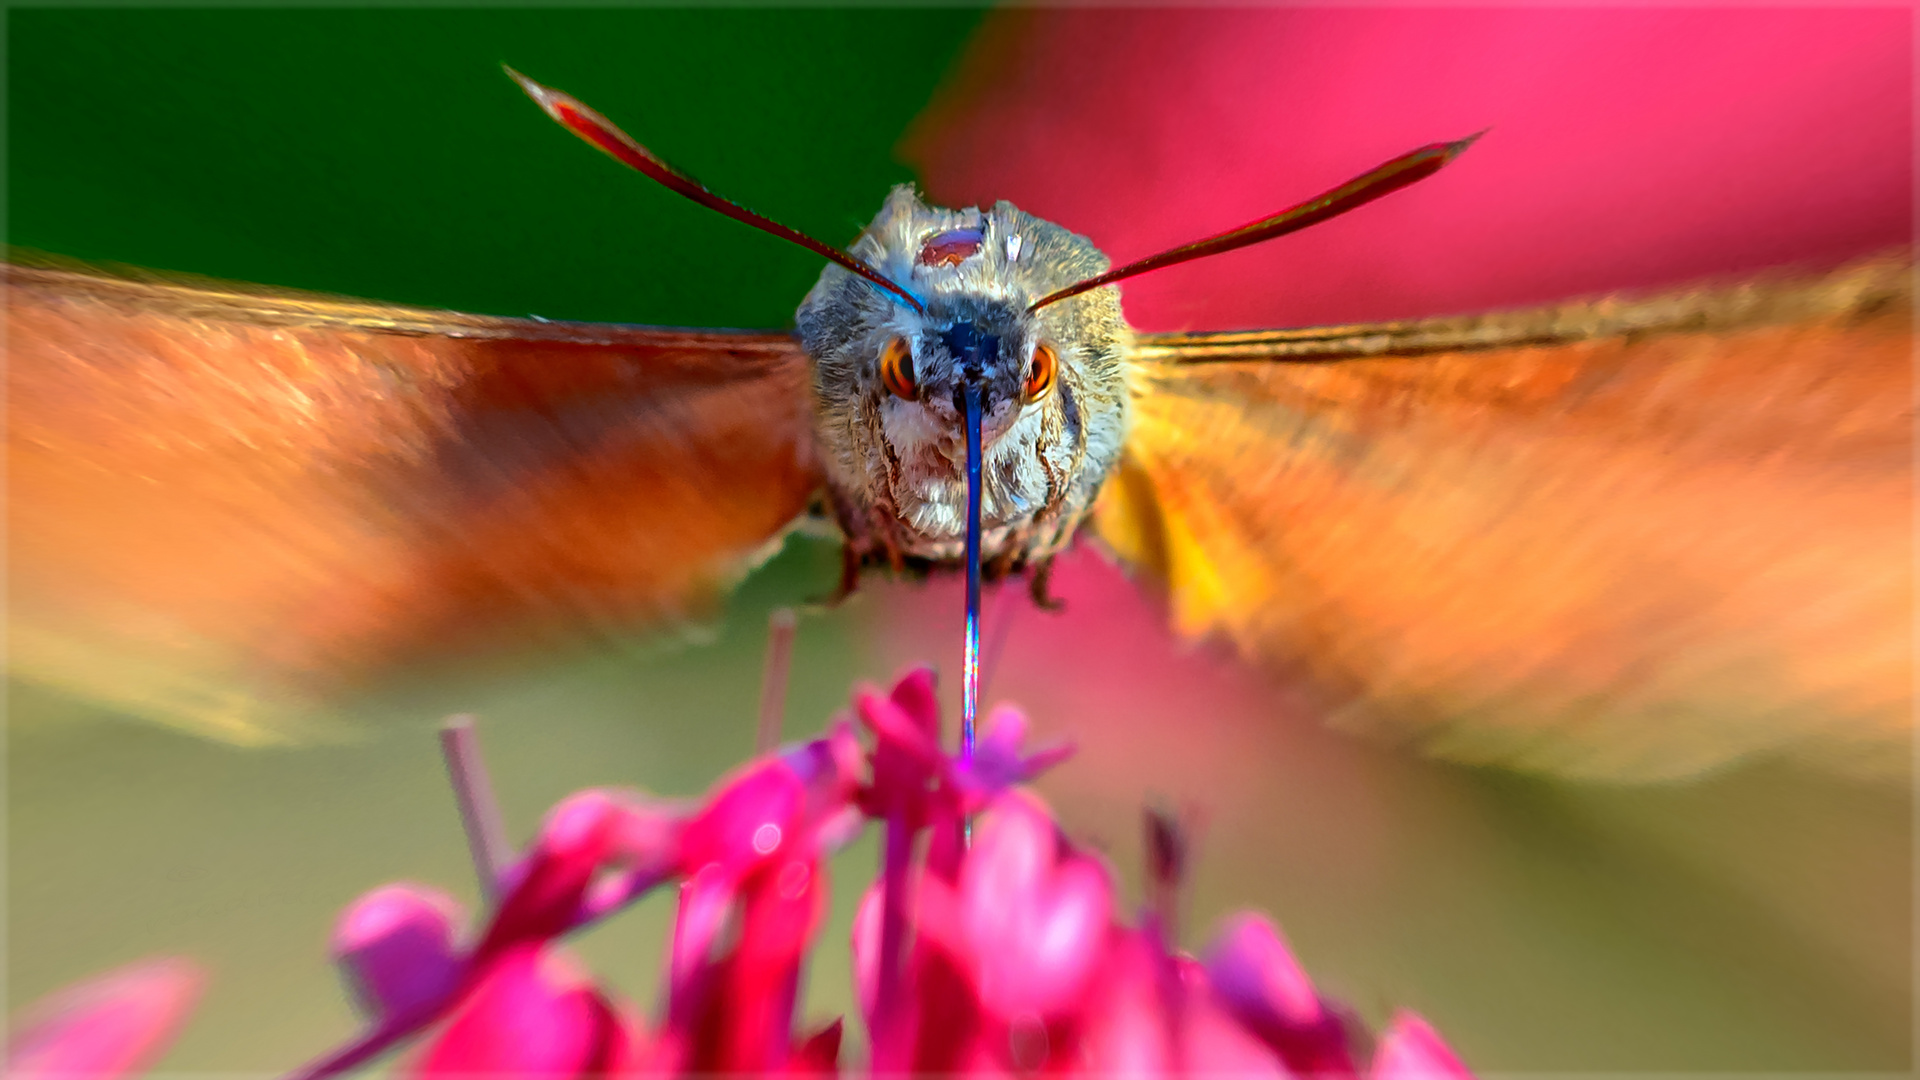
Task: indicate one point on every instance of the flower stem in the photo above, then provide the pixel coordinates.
(479, 810)
(371, 1045)
(773, 683)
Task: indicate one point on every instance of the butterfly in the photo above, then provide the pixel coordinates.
(255, 495)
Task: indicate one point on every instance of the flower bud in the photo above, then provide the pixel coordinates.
(396, 950)
(1260, 982)
(1412, 1050)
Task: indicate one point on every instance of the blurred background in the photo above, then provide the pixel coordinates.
(1755, 920)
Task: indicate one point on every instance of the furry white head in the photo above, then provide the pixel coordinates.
(895, 448)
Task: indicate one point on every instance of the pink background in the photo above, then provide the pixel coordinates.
(1628, 147)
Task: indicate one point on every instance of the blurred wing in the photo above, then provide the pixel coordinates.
(228, 503)
(1627, 539)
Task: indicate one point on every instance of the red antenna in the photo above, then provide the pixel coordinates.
(1359, 191)
(576, 117)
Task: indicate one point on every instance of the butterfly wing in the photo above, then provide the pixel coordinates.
(223, 500)
(1626, 539)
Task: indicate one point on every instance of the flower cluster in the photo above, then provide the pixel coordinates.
(990, 944)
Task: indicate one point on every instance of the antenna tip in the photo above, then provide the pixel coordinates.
(543, 96)
(1459, 146)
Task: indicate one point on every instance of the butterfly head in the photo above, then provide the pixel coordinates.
(968, 366)
(1010, 315)
(890, 378)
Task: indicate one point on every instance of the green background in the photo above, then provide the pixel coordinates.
(1756, 921)
(384, 153)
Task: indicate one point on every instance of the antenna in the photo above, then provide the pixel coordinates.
(570, 113)
(1390, 177)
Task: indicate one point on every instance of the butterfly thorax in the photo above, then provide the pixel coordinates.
(890, 427)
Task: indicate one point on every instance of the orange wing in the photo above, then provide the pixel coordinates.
(1628, 539)
(222, 498)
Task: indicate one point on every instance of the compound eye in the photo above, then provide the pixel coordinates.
(1046, 365)
(896, 369)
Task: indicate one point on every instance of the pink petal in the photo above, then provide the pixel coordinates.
(780, 913)
(706, 901)
(934, 985)
(1213, 1043)
(1125, 1028)
(646, 834)
(866, 951)
(754, 815)
(916, 693)
(1035, 927)
(1005, 730)
(830, 768)
(839, 829)
(1412, 1050)
(1252, 968)
(534, 1015)
(1630, 146)
(1258, 980)
(550, 884)
(643, 845)
(944, 1028)
(1013, 851)
(904, 756)
(937, 916)
(112, 1025)
(999, 761)
(395, 946)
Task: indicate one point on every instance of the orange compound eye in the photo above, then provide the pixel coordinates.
(1046, 365)
(896, 369)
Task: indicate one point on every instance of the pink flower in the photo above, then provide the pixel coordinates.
(112, 1025)
(1001, 953)
(534, 1014)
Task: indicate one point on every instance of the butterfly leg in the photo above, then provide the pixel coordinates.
(1039, 576)
(856, 548)
(867, 539)
(1002, 565)
(849, 577)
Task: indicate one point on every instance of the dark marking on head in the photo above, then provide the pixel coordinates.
(951, 248)
(1070, 415)
(1043, 447)
(976, 354)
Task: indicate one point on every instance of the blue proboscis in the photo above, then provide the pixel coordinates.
(970, 680)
